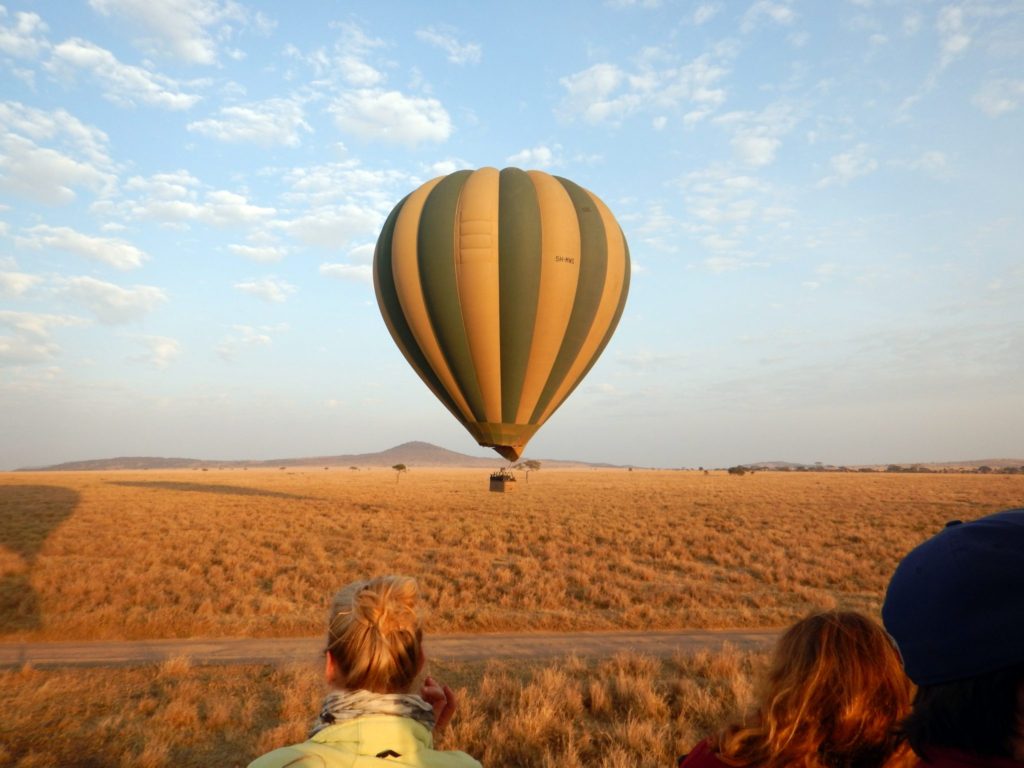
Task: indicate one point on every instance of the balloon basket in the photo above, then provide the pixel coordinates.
(502, 481)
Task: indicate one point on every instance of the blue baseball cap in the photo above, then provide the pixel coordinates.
(955, 604)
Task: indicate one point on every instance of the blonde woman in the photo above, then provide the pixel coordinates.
(834, 696)
(373, 659)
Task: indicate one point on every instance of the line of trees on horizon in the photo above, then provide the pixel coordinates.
(984, 469)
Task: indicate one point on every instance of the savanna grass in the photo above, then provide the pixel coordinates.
(149, 554)
(629, 710)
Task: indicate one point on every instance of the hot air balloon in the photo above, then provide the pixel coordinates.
(501, 288)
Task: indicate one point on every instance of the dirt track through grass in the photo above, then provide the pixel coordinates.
(448, 648)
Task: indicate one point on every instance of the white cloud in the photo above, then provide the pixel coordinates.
(362, 254)
(536, 157)
(25, 39)
(337, 203)
(780, 13)
(719, 264)
(174, 185)
(257, 336)
(360, 273)
(607, 93)
(347, 60)
(124, 84)
(111, 303)
(47, 174)
(590, 93)
(333, 226)
(757, 136)
(848, 166)
(358, 73)
(59, 126)
(260, 253)
(705, 12)
(1003, 40)
(269, 289)
(756, 150)
(160, 351)
(178, 199)
(27, 76)
(353, 39)
(729, 213)
(29, 336)
(181, 28)
(933, 163)
(223, 208)
(36, 325)
(445, 39)
(392, 117)
(719, 243)
(17, 283)
(953, 38)
(346, 182)
(633, 3)
(912, 24)
(999, 97)
(115, 252)
(246, 336)
(265, 123)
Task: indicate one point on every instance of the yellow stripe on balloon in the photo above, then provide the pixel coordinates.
(476, 265)
(559, 275)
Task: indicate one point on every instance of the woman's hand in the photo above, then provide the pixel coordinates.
(442, 699)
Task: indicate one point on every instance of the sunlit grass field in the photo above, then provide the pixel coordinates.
(622, 712)
(147, 554)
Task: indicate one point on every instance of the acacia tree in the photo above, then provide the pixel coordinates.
(399, 469)
(528, 466)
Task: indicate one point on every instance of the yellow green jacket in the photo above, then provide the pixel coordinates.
(373, 741)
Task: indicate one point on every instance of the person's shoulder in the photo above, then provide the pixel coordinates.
(303, 755)
(434, 758)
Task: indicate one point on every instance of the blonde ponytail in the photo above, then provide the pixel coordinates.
(375, 636)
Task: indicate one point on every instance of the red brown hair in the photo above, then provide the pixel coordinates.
(833, 697)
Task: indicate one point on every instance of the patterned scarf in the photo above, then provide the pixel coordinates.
(342, 705)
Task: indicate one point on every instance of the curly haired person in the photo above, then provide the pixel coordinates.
(833, 697)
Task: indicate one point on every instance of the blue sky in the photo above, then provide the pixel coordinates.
(824, 204)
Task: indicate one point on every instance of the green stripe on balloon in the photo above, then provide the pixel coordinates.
(519, 243)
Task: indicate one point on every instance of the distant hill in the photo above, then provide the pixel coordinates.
(412, 454)
(421, 454)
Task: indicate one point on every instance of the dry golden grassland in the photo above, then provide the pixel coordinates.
(626, 711)
(147, 554)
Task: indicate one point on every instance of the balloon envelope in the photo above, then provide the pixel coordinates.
(501, 288)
